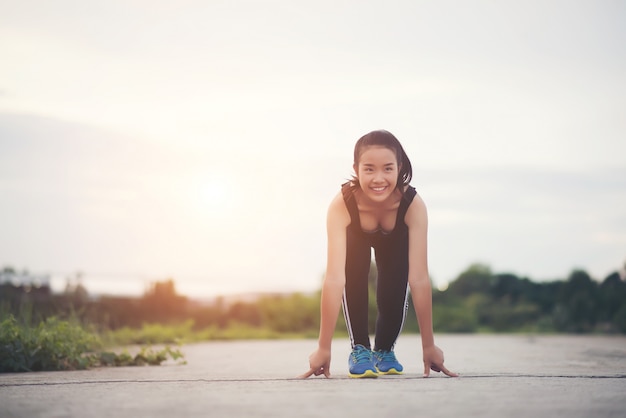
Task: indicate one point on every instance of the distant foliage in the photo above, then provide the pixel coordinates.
(478, 300)
(484, 301)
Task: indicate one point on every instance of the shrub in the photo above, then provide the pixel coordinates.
(55, 344)
(51, 345)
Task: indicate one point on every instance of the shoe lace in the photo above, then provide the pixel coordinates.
(361, 354)
(384, 355)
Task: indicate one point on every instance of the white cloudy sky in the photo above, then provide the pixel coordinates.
(203, 140)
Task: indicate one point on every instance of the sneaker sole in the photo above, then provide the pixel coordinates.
(368, 373)
(391, 371)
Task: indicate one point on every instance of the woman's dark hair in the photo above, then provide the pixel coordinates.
(385, 139)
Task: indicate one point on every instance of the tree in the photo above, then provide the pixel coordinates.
(612, 301)
(161, 303)
(577, 302)
(476, 279)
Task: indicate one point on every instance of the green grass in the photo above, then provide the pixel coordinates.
(185, 333)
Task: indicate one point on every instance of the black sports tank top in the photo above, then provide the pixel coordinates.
(400, 227)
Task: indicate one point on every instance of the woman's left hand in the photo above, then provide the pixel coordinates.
(433, 360)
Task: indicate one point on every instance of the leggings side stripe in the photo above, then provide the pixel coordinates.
(406, 308)
(346, 316)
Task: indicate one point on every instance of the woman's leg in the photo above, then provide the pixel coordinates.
(391, 293)
(355, 295)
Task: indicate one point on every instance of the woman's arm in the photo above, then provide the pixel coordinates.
(334, 282)
(419, 281)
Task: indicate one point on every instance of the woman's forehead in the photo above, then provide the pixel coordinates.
(377, 153)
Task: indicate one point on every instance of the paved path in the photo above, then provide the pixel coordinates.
(501, 376)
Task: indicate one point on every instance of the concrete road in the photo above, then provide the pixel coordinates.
(501, 376)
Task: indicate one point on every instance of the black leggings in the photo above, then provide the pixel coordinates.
(392, 261)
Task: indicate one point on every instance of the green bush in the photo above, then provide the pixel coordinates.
(51, 345)
(56, 344)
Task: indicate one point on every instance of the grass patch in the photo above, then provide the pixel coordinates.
(55, 344)
(185, 332)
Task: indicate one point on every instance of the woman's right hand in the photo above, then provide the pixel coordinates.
(319, 363)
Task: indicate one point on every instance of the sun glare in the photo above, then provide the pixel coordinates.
(210, 194)
(442, 287)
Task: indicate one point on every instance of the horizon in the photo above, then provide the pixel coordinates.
(137, 286)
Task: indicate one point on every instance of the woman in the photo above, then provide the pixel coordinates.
(376, 209)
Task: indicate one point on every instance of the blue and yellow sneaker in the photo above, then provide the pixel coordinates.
(386, 362)
(361, 362)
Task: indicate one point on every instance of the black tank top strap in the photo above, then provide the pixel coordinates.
(348, 198)
(408, 197)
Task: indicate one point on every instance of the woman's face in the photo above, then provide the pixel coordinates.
(377, 172)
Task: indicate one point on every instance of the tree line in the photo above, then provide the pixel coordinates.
(476, 301)
(480, 300)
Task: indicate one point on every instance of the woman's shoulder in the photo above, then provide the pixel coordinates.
(338, 211)
(416, 199)
(416, 212)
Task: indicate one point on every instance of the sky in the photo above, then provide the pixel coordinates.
(203, 140)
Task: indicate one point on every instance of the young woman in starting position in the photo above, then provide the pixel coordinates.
(376, 209)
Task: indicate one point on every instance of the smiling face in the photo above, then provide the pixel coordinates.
(377, 172)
